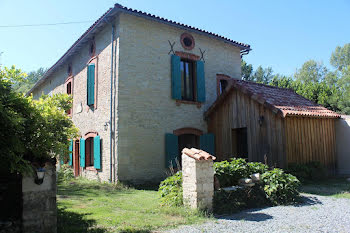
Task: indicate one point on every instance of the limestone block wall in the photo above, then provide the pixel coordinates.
(84, 118)
(146, 109)
(39, 203)
(198, 182)
(342, 129)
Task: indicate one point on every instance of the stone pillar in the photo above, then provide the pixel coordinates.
(198, 179)
(39, 203)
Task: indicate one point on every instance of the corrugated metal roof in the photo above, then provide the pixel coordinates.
(109, 16)
(279, 100)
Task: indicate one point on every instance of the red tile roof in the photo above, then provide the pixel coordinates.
(280, 100)
(108, 17)
(198, 154)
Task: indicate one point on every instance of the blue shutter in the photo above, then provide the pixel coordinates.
(171, 150)
(70, 153)
(97, 152)
(200, 81)
(91, 84)
(82, 152)
(175, 77)
(207, 143)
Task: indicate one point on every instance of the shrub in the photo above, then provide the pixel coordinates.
(65, 173)
(309, 171)
(280, 187)
(228, 173)
(170, 190)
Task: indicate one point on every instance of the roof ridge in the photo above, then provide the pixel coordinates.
(266, 85)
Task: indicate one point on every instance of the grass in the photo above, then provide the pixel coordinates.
(335, 187)
(90, 206)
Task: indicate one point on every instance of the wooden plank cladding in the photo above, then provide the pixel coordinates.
(264, 129)
(247, 126)
(310, 139)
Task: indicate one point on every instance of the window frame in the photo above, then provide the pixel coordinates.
(90, 136)
(219, 78)
(68, 81)
(93, 60)
(193, 58)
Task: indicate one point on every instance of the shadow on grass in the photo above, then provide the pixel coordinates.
(78, 188)
(71, 222)
(327, 187)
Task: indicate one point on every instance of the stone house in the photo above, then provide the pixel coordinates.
(140, 86)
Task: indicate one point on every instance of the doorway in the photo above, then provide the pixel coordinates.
(189, 141)
(76, 160)
(240, 143)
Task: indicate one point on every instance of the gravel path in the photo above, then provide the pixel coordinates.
(315, 214)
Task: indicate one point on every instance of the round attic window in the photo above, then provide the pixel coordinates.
(187, 41)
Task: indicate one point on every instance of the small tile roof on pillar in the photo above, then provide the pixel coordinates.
(198, 154)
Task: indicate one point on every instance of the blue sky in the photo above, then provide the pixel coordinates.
(282, 34)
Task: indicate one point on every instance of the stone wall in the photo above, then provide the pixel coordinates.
(198, 182)
(146, 109)
(342, 129)
(39, 204)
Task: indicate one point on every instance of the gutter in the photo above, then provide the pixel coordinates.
(111, 112)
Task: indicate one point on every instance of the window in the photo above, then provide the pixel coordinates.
(187, 41)
(187, 80)
(89, 152)
(69, 88)
(223, 85)
(69, 91)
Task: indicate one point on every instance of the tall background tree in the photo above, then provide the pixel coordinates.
(330, 88)
(28, 82)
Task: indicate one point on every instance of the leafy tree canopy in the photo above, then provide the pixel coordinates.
(28, 82)
(36, 130)
(313, 81)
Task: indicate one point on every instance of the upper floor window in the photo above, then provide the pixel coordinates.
(222, 83)
(69, 90)
(187, 80)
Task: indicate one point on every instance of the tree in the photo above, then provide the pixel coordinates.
(33, 131)
(246, 69)
(311, 71)
(262, 75)
(340, 58)
(28, 82)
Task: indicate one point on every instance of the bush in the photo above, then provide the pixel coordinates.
(170, 190)
(280, 187)
(228, 173)
(309, 171)
(65, 173)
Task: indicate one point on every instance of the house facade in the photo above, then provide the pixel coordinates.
(140, 86)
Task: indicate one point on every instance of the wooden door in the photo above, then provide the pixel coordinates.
(76, 156)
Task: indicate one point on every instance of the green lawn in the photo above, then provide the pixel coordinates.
(336, 187)
(88, 206)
